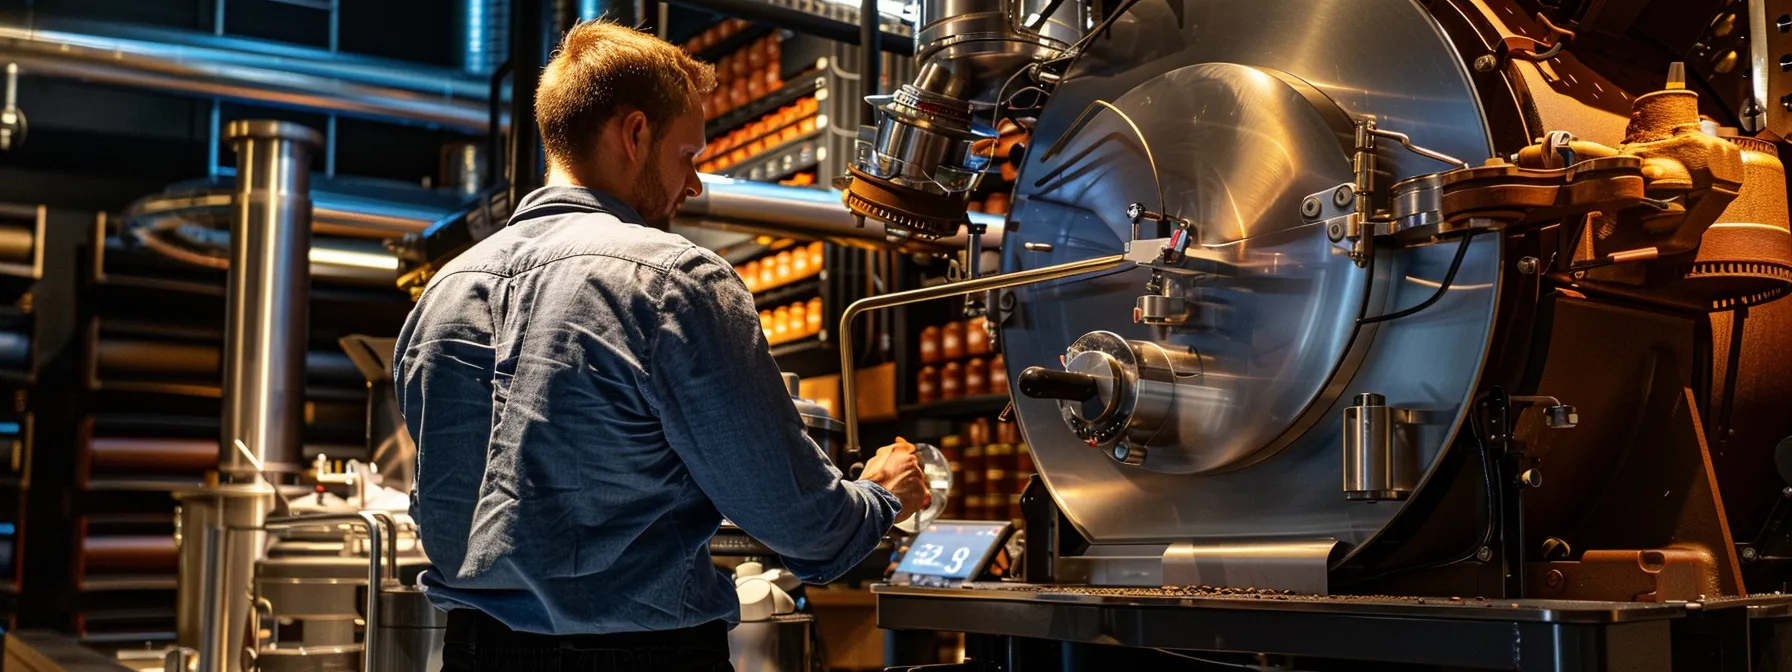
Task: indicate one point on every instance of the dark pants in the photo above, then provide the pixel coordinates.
(476, 642)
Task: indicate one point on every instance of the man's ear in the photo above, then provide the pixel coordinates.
(636, 136)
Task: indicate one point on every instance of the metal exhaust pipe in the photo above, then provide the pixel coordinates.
(817, 214)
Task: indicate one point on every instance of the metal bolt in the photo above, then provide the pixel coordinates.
(1787, 492)
(1135, 211)
(1310, 207)
(1553, 579)
(1120, 452)
(1335, 232)
(1486, 63)
(1527, 265)
(1579, 274)
(1343, 196)
(1532, 478)
(1484, 554)
(1749, 554)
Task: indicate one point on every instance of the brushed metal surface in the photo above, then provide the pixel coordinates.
(1231, 164)
(970, 47)
(1238, 148)
(267, 297)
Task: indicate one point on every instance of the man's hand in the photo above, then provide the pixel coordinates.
(896, 469)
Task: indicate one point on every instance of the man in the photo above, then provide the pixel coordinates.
(590, 395)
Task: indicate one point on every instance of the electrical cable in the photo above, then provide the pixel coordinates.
(1442, 287)
(1075, 51)
(1209, 661)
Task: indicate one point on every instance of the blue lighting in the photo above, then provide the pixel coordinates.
(589, 9)
(9, 428)
(7, 529)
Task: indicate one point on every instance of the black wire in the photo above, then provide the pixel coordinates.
(1209, 661)
(1076, 50)
(1442, 287)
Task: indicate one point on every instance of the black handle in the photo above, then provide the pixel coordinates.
(1042, 383)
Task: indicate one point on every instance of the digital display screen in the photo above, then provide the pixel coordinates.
(952, 549)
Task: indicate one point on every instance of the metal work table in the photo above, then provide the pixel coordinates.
(1524, 635)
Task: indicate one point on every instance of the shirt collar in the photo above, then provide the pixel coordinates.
(580, 198)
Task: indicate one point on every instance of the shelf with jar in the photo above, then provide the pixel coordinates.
(785, 263)
(793, 321)
(957, 363)
(800, 289)
(990, 468)
(749, 66)
(800, 118)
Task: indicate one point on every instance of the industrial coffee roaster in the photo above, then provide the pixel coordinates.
(1436, 332)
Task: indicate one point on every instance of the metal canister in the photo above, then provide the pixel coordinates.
(827, 432)
(319, 592)
(779, 644)
(409, 637)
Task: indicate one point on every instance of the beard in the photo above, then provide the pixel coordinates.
(650, 199)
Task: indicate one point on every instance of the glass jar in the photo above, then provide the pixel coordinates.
(930, 345)
(952, 341)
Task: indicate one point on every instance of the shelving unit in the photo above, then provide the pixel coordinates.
(974, 406)
(806, 152)
(798, 87)
(139, 419)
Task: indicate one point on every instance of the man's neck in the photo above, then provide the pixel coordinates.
(558, 177)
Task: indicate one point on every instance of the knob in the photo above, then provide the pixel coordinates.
(1042, 383)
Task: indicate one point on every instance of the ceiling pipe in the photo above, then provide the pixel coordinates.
(352, 89)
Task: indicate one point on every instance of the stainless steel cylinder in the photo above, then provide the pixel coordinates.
(968, 48)
(269, 289)
(1418, 202)
(219, 537)
(1371, 468)
(410, 633)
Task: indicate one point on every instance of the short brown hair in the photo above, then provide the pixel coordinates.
(601, 70)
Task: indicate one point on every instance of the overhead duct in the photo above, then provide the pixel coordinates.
(348, 87)
(484, 35)
(189, 221)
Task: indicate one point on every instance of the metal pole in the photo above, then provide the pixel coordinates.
(267, 298)
(527, 56)
(264, 381)
(219, 536)
(983, 284)
(871, 60)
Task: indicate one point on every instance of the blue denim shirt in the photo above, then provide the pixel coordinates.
(589, 397)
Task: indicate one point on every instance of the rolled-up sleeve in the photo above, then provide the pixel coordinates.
(727, 415)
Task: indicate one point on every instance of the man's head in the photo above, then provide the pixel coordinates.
(620, 111)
